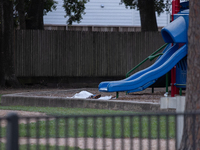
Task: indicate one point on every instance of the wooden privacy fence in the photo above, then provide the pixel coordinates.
(74, 53)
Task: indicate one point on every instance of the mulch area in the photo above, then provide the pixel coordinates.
(144, 96)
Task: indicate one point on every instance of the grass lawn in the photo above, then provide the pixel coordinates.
(96, 127)
(64, 111)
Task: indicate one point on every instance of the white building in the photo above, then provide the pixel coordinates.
(103, 13)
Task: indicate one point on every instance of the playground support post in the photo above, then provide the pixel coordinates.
(152, 90)
(117, 94)
(167, 80)
(175, 7)
(174, 89)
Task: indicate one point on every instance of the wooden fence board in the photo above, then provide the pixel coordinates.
(86, 54)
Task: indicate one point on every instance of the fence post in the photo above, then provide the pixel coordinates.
(180, 108)
(12, 133)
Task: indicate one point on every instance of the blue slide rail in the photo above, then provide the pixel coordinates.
(175, 32)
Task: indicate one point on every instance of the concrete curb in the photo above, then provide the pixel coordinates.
(23, 99)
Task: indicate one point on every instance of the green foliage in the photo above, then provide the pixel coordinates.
(74, 10)
(160, 5)
(49, 5)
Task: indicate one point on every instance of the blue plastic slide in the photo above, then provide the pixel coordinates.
(175, 33)
(143, 79)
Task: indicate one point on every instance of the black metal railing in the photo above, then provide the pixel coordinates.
(146, 131)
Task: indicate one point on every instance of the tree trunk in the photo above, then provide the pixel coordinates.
(8, 48)
(191, 133)
(147, 15)
(2, 79)
(35, 15)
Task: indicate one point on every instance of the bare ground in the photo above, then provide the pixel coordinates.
(106, 144)
(143, 96)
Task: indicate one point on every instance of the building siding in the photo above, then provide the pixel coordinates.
(112, 14)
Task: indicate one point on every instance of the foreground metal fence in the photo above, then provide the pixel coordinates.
(144, 131)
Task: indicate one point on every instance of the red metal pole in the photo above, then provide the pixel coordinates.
(177, 6)
(174, 89)
(173, 8)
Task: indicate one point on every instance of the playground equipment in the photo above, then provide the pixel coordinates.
(175, 53)
(176, 73)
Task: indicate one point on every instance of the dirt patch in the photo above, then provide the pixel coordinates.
(4, 113)
(106, 144)
(142, 96)
(25, 90)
